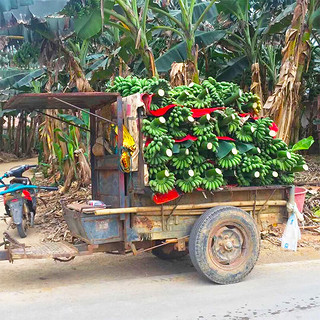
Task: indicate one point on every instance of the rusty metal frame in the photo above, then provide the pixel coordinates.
(263, 206)
(172, 211)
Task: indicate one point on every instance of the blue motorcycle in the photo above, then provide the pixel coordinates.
(20, 198)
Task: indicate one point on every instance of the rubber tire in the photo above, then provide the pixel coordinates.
(21, 230)
(31, 217)
(164, 253)
(199, 239)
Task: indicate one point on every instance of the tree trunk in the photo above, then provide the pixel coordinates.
(31, 136)
(256, 81)
(1, 134)
(182, 73)
(284, 102)
(148, 61)
(192, 56)
(18, 137)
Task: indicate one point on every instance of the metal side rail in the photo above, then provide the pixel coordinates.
(55, 250)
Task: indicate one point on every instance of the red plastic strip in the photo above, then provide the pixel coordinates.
(187, 137)
(160, 198)
(251, 115)
(243, 115)
(148, 141)
(226, 138)
(160, 112)
(274, 127)
(146, 99)
(197, 113)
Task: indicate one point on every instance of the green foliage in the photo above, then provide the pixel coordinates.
(28, 54)
(303, 144)
(80, 8)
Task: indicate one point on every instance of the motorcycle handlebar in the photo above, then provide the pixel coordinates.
(18, 171)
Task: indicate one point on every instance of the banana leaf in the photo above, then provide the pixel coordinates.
(238, 8)
(197, 11)
(303, 144)
(224, 148)
(282, 21)
(26, 80)
(315, 19)
(243, 147)
(179, 52)
(234, 68)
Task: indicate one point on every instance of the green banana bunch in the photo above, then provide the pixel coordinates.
(242, 180)
(154, 170)
(189, 181)
(231, 120)
(266, 180)
(154, 127)
(231, 160)
(207, 143)
(178, 133)
(175, 92)
(212, 179)
(273, 146)
(179, 116)
(201, 168)
(262, 133)
(284, 161)
(157, 86)
(159, 102)
(183, 159)
(245, 133)
(198, 159)
(254, 169)
(229, 92)
(216, 101)
(227, 121)
(164, 182)
(286, 178)
(301, 164)
(159, 151)
(187, 96)
(203, 100)
(203, 126)
(128, 86)
(249, 102)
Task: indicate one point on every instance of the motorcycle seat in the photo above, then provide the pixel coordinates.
(22, 180)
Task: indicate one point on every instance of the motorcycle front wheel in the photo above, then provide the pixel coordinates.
(22, 229)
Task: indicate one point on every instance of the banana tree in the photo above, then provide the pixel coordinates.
(283, 104)
(185, 23)
(252, 41)
(131, 20)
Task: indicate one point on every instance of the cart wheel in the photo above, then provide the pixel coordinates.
(224, 244)
(168, 253)
(22, 229)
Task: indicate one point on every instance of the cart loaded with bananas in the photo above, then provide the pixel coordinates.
(205, 136)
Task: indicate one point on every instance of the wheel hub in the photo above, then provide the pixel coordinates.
(227, 245)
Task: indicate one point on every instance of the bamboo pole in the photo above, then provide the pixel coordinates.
(139, 210)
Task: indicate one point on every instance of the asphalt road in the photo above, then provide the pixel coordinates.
(104, 287)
